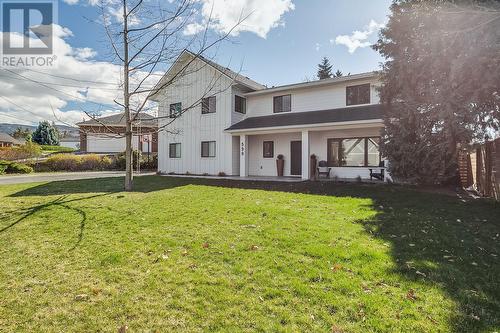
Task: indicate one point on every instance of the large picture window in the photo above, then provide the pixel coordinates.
(282, 103)
(175, 110)
(240, 104)
(208, 105)
(359, 94)
(208, 149)
(174, 150)
(353, 152)
(268, 149)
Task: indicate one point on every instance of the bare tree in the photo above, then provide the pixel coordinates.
(145, 37)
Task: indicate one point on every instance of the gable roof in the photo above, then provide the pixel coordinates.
(143, 119)
(4, 137)
(238, 78)
(359, 113)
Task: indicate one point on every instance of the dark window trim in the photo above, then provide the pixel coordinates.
(215, 148)
(281, 96)
(206, 110)
(264, 150)
(365, 139)
(170, 149)
(175, 114)
(357, 86)
(244, 111)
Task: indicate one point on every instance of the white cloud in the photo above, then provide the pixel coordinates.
(84, 53)
(358, 39)
(317, 46)
(117, 13)
(78, 81)
(193, 28)
(259, 16)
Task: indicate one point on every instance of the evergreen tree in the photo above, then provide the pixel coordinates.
(440, 84)
(324, 69)
(338, 73)
(46, 134)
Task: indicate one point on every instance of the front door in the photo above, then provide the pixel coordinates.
(296, 158)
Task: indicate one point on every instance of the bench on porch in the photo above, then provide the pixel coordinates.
(323, 169)
(378, 173)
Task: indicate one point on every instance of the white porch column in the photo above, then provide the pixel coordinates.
(243, 155)
(305, 155)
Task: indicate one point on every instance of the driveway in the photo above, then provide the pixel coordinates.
(54, 176)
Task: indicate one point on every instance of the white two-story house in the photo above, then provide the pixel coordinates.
(214, 121)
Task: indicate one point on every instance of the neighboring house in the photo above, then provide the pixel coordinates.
(70, 142)
(106, 134)
(8, 141)
(241, 126)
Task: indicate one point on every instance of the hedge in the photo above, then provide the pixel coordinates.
(70, 162)
(28, 150)
(59, 149)
(14, 167)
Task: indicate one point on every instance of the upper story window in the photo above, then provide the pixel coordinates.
(208, 149)
(208, 105)
(359, 94)
(175, 110)
(282, 103)
(240, 104)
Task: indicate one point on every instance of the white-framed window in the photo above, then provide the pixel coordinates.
(175, 110)
(174, 150)
(240, 104)
(208, 105)
(282, 103)
(208, 149)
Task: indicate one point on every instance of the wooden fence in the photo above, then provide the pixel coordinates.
(481, 169)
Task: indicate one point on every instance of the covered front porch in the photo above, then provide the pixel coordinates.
(347, 151)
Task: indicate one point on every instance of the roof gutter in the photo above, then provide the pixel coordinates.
(312, 84)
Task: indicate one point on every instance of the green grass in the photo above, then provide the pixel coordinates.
(47, 149)
(180, 255)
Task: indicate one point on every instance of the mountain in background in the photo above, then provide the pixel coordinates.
(10, 128)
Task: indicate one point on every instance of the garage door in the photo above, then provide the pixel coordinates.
(105, 144)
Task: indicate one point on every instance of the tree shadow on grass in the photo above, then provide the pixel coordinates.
(61, 201)
(446, 242)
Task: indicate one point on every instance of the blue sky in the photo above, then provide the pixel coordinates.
(282, 43)
(288, 54)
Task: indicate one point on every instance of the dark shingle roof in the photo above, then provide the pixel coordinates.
(4, 137)
(367, 112)
(143, 119)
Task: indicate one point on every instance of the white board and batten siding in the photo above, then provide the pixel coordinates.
(193, 127)
(327, 97)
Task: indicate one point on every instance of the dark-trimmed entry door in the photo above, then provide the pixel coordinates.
(296, 158)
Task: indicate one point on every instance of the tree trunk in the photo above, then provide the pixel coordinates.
(126, 103)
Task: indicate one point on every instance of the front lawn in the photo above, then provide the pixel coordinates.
(181, 255)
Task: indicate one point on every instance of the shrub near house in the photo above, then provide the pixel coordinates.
(28, 150)
(69, 162)
(13, 167)
(90, 162)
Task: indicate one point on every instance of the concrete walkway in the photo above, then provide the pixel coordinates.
(55, 176)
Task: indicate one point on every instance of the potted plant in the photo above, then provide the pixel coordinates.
(314, 162)
(280, 165)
